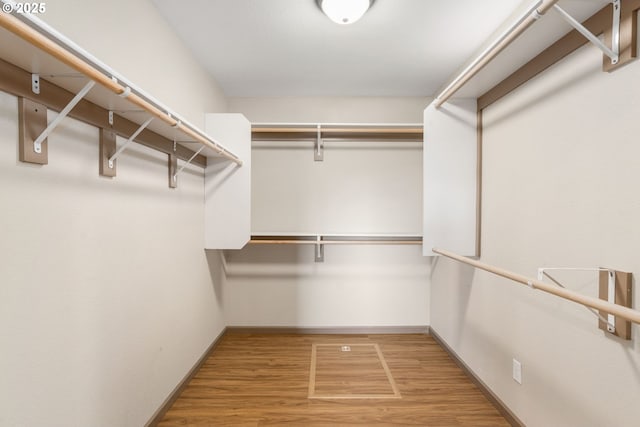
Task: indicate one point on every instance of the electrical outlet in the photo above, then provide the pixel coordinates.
(517, 371)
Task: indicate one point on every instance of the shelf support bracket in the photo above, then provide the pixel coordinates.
(614, 52)
(614, 287)
(611, 297)
(172, 163)
(319, 253)
(174, 176)
(615, 30)
(129, 141)
(35, 83)
(37, 144)
(318, 149)
(106, 148)
(32, 119)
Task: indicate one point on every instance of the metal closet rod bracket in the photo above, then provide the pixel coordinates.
(614, 52)
(179, 171)
(37, 143)
(318, 149)
(319, 252)
(615, 288)
(625, 315)
(35, 83)
(129, 141)
(610, 320)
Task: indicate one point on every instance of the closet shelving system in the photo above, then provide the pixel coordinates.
(321, 132)
(351, 131)
(108, 106)
(615, 286)
(45, 69)
(320, 240)
(318, 133)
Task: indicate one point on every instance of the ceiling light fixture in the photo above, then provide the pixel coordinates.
(344, 11)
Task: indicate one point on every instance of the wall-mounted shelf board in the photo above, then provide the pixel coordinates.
(318, 241)
(324, 133)
(336, 131)
(335, 239)
(16, 81)
(53, 72)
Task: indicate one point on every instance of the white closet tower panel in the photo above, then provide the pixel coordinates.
(450, 177)
(227, 186)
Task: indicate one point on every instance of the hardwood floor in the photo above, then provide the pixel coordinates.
(266, 380)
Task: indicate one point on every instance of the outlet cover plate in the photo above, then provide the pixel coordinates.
(517, 371)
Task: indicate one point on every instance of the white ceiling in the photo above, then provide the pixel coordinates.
(257, 48)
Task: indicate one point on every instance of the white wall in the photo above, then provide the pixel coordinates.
(354, 286)
(358, 188)
(227, 185)
(107, 298)
(450, 177)
(331, 109)
(560, 188)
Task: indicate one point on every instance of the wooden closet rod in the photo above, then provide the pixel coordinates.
(25, 32)
(615, 309)
(531, 15)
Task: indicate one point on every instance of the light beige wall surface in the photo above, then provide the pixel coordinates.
(360, 187)
(354, 286)
(560, 189)
(331, 109)
(107, 297)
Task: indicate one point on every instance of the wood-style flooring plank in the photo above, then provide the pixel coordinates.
(263, 380)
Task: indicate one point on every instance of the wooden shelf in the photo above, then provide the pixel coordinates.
(63, 72)
(335, 239)
(364, 131)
